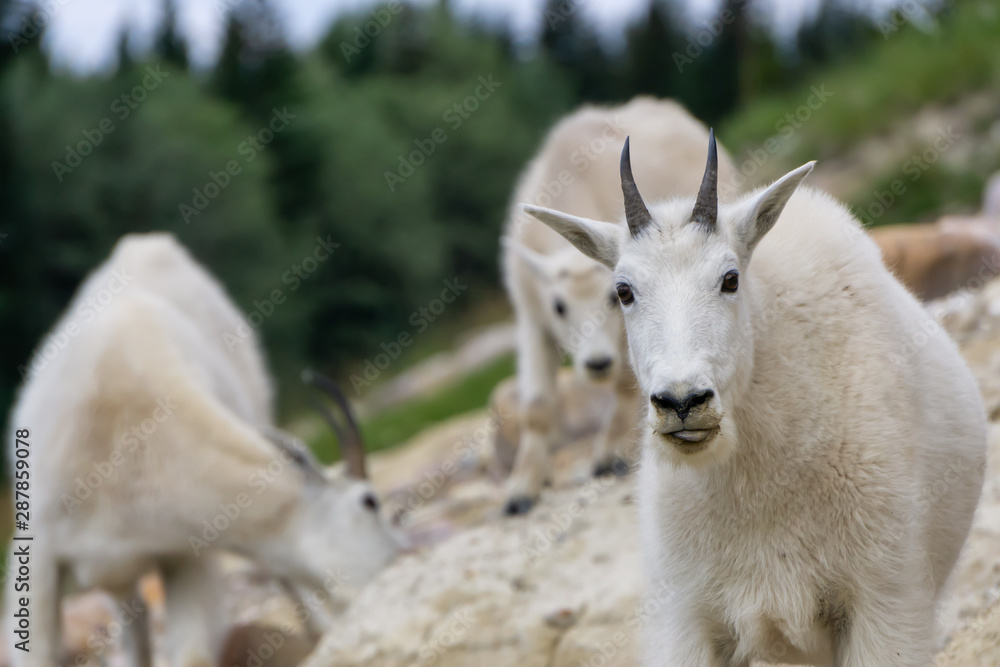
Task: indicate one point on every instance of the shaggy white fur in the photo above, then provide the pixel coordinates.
(814, 446)
(150, 449)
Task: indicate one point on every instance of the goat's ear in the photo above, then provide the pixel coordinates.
(298, 452)
(762, 210)
(601, 241)
(535, 261)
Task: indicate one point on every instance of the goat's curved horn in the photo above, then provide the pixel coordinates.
(706, 206)
(352, 446)
(636, 214)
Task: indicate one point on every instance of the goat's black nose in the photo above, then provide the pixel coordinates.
(666, 401)
(598, 365)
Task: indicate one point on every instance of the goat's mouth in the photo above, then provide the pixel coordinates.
(691, 441)
(598, 375)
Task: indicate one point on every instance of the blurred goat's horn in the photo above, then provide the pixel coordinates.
(636, 214)
(706, 206)
(352, 447)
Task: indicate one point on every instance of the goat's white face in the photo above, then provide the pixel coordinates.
(580, 309)
(680, 272)
(342, 535)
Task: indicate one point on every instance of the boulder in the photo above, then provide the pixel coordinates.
(936, 259)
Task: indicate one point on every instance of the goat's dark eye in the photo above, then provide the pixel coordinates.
(560, 308)
(731, 281)
(624, 293)
(369, 502)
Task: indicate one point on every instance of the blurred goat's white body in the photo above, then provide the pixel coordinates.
(147, 450)
(577, 171)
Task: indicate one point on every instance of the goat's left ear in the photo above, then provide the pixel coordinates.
(761, 211)
(601, 241)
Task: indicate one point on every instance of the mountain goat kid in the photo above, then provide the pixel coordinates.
(814, 446)
(566, 302)
(151, 445)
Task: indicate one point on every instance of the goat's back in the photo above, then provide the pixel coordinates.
(143, 409)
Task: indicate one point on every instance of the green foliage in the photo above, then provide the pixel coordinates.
(903, 68)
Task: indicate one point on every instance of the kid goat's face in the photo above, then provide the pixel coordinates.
(679, 273)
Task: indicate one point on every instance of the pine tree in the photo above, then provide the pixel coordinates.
(125, 60)
(169, 45)
(710, 64)
(227, 76)
(574, 45)
(650, 67)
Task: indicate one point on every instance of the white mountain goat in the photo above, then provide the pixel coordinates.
(151, 446)
(565, 302)
(814, 446)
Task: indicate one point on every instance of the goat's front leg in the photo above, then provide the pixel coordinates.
(677, 636)
(889, 625)
(537, 364)
(615, 447)
(190, 597)
(40, 641)
(136, 641)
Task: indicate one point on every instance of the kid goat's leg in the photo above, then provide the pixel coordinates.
(616, 446)
(537, 364)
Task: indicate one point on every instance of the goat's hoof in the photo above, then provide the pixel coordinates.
(518, 505)
(615, 466)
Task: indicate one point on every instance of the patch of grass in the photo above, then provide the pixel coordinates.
(939, 191)
(441, 335)
(397, 425)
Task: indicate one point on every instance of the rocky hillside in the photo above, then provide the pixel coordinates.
(558, 588)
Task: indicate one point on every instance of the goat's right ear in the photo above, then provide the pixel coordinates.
(601, 241)
(297, 451)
